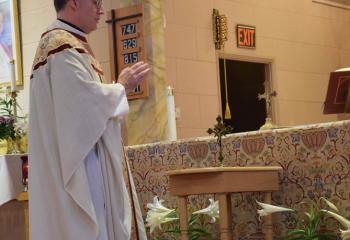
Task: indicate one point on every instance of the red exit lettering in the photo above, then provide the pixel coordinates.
(246, 36)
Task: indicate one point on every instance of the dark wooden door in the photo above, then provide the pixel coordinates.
(245, 80)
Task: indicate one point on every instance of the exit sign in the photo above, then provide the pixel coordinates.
(246, 36)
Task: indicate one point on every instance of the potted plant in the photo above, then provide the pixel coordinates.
(12, 128)
(159, 215)
(309, 223)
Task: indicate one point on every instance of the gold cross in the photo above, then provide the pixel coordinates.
(267, 96)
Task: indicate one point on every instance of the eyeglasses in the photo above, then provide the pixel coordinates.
(98, 4)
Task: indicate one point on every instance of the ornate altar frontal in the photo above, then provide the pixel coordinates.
(314, 158)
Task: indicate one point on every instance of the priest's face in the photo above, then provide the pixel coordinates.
(89, 12)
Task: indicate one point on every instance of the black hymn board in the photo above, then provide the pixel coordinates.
(127, 45)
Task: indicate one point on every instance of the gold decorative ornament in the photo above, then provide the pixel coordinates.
(220, 29)
(220, 32)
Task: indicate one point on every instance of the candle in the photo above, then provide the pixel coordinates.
(12, 75)
(171, 114)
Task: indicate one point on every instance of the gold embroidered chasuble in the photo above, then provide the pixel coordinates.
(70, 112)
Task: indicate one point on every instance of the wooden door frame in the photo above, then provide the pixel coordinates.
(270, 74)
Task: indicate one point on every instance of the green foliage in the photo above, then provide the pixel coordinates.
(6, 106)
(309, 225)
(7, 128)
(195, 232)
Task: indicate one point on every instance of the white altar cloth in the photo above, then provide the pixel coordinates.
(10, 177)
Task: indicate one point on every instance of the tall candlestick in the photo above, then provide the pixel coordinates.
(171, 114)
(12, 75)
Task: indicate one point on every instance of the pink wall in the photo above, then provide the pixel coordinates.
(304, 41)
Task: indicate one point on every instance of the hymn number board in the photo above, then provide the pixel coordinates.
(128, 43)
(129, 49)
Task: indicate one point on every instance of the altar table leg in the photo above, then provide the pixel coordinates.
(26, 219)
(225, 216)
(268, 218)
(182, 204)
(23, 197)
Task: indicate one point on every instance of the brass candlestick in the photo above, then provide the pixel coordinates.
(14, 103)
(15, 149)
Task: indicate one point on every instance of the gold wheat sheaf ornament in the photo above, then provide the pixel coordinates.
(220, 31)
(223, 36)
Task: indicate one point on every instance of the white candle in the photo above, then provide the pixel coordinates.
(172, 135)
(12, 75)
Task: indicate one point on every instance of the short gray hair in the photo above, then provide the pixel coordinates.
(60, 4)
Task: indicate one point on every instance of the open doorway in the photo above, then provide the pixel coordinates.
(245, 80)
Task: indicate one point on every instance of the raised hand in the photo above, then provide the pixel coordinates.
(132, 76)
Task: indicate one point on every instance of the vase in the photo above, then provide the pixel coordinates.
(3, 146)
(10, 145)
(23, 144)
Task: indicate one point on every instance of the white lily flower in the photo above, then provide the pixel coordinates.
(21, 126)
(342, 220)
(212, 210)
(157, 214)
(330, 204)
(155, 219)
(345, 234)
(268, 209)
(157, 206)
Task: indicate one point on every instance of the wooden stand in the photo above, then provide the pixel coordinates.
(222, 181)
(23, 196)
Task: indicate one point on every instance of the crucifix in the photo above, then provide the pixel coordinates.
(268, 97)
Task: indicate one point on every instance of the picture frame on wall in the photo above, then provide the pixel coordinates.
(10, 43)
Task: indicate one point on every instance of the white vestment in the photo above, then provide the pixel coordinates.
(71, 112)
(95, 180)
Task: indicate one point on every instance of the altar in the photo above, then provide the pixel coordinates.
(12, 224)
(314, 160)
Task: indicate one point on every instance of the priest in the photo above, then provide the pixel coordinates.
(76, 184)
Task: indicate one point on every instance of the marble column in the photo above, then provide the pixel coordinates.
(147, 119)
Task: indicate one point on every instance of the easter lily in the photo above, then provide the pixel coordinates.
(157, 206)
(268, 209)
(156, 219)
(158, 214)
(212, 210)
(342, 220)
(330, 204)
(345, 234)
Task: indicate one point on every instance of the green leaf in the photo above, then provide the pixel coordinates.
(297, 232)
(326, 236)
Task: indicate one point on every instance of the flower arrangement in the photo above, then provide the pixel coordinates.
(158, 214)
(7, 127)
(12, 127)
(309, 223)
